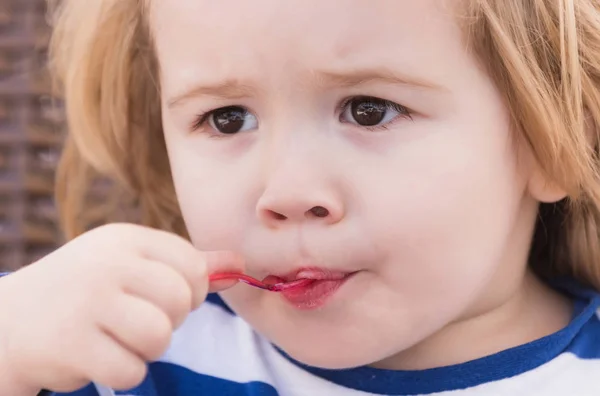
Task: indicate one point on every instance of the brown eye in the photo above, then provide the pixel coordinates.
(369, 111)
(231, 120)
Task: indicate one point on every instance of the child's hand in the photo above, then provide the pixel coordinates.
(99, 308)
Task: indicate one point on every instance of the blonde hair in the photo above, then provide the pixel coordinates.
(544, 56)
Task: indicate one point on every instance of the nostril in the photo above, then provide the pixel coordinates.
(319, 211)
(277, 216)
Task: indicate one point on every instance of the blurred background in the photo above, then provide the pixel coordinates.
(31, 131)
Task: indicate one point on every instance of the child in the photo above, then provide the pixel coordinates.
(431, 166)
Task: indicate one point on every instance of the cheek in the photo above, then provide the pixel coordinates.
(212, 194)
(444, 211)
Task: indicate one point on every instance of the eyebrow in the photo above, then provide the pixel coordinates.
(229, 89)
(234, 89)
(363, 76)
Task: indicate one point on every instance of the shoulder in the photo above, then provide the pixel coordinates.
(575, 369)
(585, 344)
(581, 338)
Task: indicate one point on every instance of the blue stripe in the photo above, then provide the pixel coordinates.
(146, 388)
(167, 379)
(215, 299)
(174, 380)
(89, 390)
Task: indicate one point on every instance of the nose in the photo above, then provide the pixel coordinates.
(296, 197)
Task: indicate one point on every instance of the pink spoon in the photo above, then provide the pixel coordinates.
(274, 287)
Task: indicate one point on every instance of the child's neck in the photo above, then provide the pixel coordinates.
(533, 312)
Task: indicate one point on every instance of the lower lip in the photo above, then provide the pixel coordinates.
(314, 295)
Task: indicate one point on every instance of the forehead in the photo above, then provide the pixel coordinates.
(220, 39)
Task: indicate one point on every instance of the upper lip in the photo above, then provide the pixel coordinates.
(315, 273)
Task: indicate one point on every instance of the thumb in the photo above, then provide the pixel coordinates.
(223, 261)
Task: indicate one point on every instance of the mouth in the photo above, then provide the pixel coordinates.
(323, 285)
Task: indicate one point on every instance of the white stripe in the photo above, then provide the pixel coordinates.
(566, 375)
(216, 343)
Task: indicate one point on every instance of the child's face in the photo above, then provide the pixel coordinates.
(420, 194)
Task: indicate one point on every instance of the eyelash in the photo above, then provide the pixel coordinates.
(201, 120)
(403, 112)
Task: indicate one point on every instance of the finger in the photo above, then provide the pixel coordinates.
(139, 326)
(110, 364)
(162, 286)
(175, 251)
(193, 264)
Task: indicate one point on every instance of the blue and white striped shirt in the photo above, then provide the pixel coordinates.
(216, 353)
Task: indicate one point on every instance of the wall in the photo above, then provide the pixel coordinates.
(30, 136)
